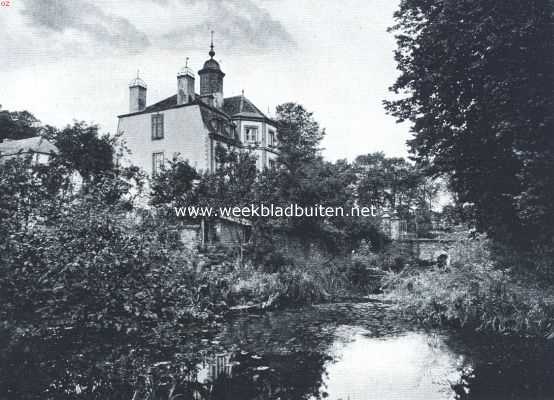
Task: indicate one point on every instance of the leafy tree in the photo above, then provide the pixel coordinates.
(299, 136)
(305, 179)
(232, 183)
(84, 149)
(83, 285)
(174, 184)
(398, 185)
(18, 125)
(477, 83)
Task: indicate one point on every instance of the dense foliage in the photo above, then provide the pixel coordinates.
(475, 293)
(83, 149)
(398, 186)
(77, 270)
(477, 84)
(18, 125)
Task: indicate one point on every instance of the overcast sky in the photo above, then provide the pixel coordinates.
(73, 59)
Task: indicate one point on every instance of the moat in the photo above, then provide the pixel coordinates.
(362, 351)
(333, 351)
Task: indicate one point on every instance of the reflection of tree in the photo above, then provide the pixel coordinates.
(113, 367)
(506, 368)
(281, 355)
(293, 376)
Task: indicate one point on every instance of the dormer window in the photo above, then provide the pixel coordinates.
(251, 134)
(157, 126)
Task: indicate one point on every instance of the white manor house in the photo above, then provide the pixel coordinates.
(191, 125)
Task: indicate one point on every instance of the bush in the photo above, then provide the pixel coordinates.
(363, 270)
(251, 287)
(82, 279)
(476, 296)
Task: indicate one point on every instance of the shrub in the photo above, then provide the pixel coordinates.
(475, 296)
(82, 279)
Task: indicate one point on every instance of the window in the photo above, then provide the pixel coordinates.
(272, 164)
(251, 134)
(157, 126)
(157, 162)
(271, 138)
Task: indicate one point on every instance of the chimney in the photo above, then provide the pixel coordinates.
(137, 95)
(185, 85)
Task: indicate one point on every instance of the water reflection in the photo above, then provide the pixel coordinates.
(412, 366)
(335, 352)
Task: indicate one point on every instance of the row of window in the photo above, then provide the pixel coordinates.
(250, 132)
(158, 162)
(251, 136)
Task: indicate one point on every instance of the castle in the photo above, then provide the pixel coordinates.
(190, 126)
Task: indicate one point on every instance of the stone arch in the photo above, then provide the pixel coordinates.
(442, 257)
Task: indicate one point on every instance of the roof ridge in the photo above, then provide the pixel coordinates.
(254, 106)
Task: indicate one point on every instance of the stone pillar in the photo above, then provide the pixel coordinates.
(395, 227)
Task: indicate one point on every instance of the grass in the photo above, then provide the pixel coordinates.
(474, 293)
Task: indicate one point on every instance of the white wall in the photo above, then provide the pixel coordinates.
(184, 133)
(261, 152)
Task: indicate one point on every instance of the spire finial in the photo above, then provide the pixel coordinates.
(186, 62)
(138, 73)
(212, 52)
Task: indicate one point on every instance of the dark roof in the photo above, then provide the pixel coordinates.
(165, 104)
(233, 107)
(171, 102)
(211, 65)
(240, 106)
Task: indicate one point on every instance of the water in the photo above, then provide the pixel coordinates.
(337, 351)
(363, 351)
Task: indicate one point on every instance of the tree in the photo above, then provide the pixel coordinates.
(305, 179)
(299, 136)
(18, 125)
(83, 286)
(477, 79)
(232, 183)
(174, 184)
(83, 148)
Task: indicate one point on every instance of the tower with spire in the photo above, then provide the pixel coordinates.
(193, 124)
(211, 80)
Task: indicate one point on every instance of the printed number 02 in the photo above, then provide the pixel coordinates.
(5, 3)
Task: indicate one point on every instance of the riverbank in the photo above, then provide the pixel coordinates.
(475, 293)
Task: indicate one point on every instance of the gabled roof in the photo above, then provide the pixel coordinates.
(25, 146)
(240, 106)
(171, 102)
(233, 107)
(165, 104)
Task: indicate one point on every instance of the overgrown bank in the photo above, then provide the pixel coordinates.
(475, 293)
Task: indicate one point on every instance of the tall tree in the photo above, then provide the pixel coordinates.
(299, 136)
(477, 84)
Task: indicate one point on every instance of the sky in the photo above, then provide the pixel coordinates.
(66, 60)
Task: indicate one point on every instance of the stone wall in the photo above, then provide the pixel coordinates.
(431, 249)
